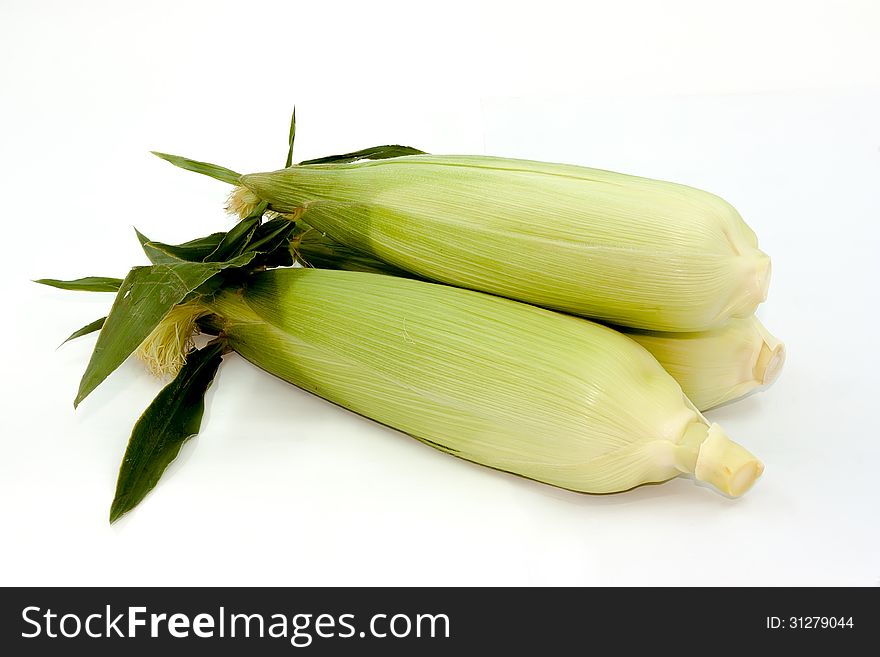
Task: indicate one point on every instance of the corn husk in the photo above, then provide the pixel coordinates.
(718, 366)
(713, 367)
(626, 250)
(547, 396)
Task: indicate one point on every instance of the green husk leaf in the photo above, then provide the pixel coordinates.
(272, 242)
(235, 242)
(314, 249)
(193, 251)
(290, 138)
(205, 168)
(87, 284)
(271, 235)
(250, 239)
(174, 416)
(144, 298)
(374, 153)
(85, 330)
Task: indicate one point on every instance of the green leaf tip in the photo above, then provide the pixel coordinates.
(196, 250)
(85, 330)
(146, 295)
(86, 284)
(375, 153)
(234, 242)
(174, 416)
(290, 137)
(143, 239)
(149, 293)
(205, 168)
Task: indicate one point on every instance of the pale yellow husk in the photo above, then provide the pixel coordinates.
(540, 394)
(717, 366)
(626, 250)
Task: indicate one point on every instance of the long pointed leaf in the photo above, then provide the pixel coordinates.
(193, 251)
(174, 416)
(374, 153)
(85, 330)
(235, 241)
(271, 235)
(87, 284)
(205, 168)
(290, 137)
(144, 298)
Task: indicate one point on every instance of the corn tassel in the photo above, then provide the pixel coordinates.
(164, 350)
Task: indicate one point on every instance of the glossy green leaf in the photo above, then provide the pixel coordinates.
(256, 244)
(271, 235)
(235, 242)
(193, 251)
(290, 137)
(174, 416)
(85, 330)
(374, 153)
(144, 297)
(156, 255)
(205, 168)
(87, 284)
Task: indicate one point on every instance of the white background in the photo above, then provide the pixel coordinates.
(773, 105)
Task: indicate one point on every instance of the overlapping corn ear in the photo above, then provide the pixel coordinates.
(622, 249)
(717, 366)
(712, 367)
(540, 394)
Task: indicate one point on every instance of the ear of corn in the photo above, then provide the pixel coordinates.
(511, 386)
(627, 250)
(717, 366)
(712, 367)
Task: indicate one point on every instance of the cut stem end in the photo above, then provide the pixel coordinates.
(728, 466)
(770, 359)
